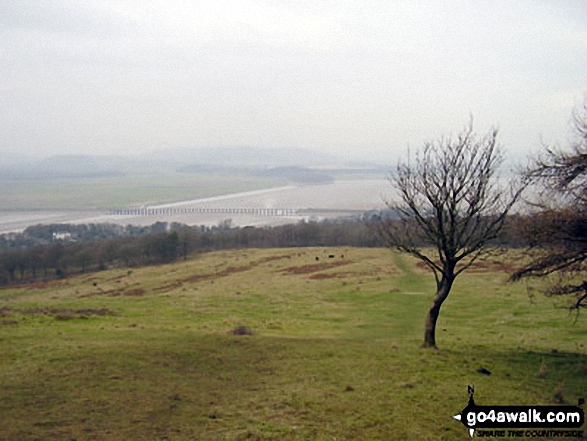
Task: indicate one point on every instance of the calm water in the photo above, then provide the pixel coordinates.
(341, 195)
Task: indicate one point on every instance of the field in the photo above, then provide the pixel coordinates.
(286, 344)
(106, 193)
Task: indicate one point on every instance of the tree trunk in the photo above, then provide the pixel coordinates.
(442, 289)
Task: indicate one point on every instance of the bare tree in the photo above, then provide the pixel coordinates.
(451, 206)
(559, 227)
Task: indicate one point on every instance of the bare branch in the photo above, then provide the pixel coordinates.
(450, 199)
(559, 228)
(449, 209)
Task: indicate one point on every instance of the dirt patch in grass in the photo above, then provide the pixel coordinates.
(118, 278)
(134, 293)
(54, 311)
(272, 258)
(138, 292)
(493, 266)
(169, 286)
(42, 285)
(58, 313)
(345, 275)
(35, 285)
(309, 269)
(323, 276)
(241, 330)
(233, 269)
(483, 267)
(225, 272)
(6, 287)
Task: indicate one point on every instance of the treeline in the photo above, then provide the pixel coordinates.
(55, 251)
(44, 234)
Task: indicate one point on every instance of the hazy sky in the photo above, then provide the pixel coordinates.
(131, 76)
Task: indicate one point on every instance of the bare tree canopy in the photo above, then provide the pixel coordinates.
(451, 205)
(559, 226)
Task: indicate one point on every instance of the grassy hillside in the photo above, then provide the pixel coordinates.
(156, 353)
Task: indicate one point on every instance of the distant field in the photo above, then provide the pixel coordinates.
(334, 353)
(106, 193)
(311, 201)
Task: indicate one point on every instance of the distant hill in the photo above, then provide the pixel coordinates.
(60, 166)
(294, 164)
(299, 175)
(245, 157)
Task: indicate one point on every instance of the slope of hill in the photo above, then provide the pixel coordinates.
(275, 344)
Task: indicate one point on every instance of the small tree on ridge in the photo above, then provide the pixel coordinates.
(450, 207)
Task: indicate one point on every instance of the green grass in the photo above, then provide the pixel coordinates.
(115, 192)
(335, 351)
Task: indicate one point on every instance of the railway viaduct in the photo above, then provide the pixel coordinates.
(283, 212)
